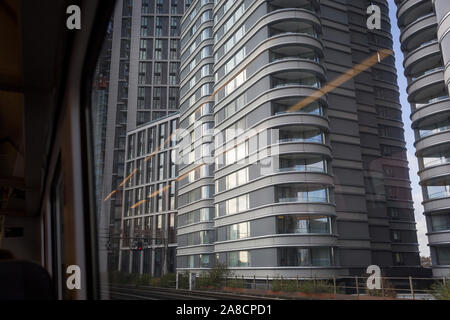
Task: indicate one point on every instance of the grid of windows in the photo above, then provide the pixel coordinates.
(150, 192)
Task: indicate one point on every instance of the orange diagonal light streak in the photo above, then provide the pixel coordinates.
(348, 75)
(109, 195)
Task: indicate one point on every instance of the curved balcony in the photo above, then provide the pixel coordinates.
(434, 172)
(412, 10)
(426, 86)
(311, 5)
(431, 113)
(297, 72)
(321, 179)
(309, 240)
(437, 204)
(422, 59)
(308, 122)
(293, 21)
(305, 148)
(436, 238)
(432, 143)
(436, 194)
(295, 52)
(273, 209)
(419, 33)
(295, 45)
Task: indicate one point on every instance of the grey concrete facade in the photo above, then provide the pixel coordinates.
(323, 190)
(425, 39)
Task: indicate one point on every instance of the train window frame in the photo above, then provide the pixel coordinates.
(98, 30)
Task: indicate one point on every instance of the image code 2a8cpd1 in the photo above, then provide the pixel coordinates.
(247, 309)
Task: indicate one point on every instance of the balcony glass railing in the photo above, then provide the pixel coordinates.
(440, 68)
(319, 139)
(434, 192)
(319, 167)
(433, 100)
(301, 194)
(310, 32)
(430, 162)
(440, 222)
(276, 58)
(427, 43)
(425, 133)
(280, 84)
(303, 199)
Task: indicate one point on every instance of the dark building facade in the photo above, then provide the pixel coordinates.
(425, 42)
(277, 190)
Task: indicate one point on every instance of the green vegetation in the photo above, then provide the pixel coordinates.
(166, 281)
(387, 291)
(214, 277)
(304, 286)
(441, 291)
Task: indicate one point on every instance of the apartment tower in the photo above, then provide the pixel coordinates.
(275, 186)
(425, 42)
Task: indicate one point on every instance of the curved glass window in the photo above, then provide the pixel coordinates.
(435, 192)
(301, 193)
(304, 257)
(440, 222)
(303, 224)
(295, 162)
(434, 128)
(298, 134)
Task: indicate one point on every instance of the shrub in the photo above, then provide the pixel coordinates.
(235, 283)
(387, 291)
(203, 281)
(318, 286)
(169, 280)
(441, 291)
(155, 282)
(284, 285)
(218, 274)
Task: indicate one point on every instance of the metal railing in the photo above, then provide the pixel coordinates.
(338, 287)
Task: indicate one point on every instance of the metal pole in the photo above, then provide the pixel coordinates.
(334, 285)
(190, 281)
(267, 282)
(176, 281)
(254, 281)
(357, 285)
(411, 287)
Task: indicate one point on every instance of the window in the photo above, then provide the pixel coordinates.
(293, 257)
(238, 231)
(396, 236)
(303, 224)
(440, 222)
(443, 255)
(398, 259)
(238, 259)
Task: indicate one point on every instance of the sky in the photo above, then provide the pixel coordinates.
(409, 135)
